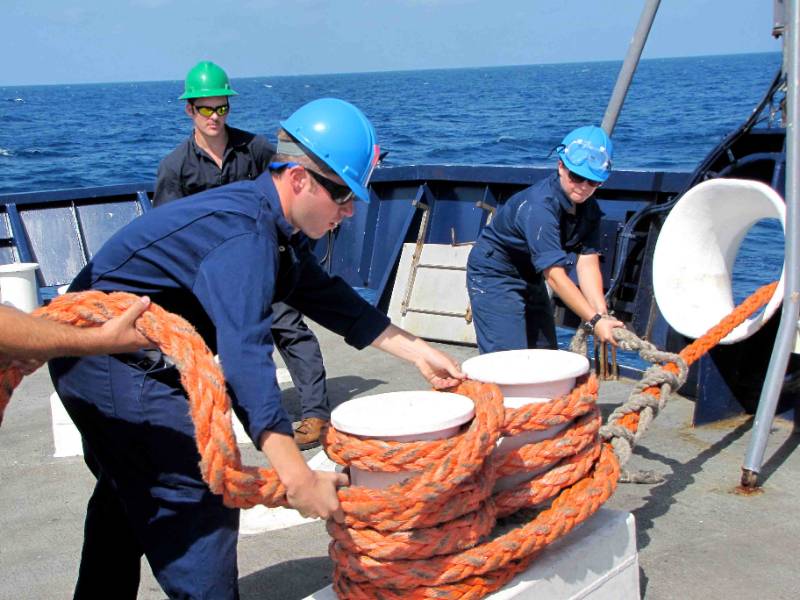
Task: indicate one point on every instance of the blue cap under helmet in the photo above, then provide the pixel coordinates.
(587, 151)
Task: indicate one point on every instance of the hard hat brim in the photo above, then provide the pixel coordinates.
(207, 94)
(585, 170)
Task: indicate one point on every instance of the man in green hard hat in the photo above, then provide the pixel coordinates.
(214, 155)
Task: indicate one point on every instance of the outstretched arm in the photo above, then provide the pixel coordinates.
(25, 337)
(439, 369)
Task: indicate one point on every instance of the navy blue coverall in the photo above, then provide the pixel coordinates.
(188, 170)
(535, 229)
(220, 261)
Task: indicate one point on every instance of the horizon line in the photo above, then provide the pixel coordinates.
(381, 71)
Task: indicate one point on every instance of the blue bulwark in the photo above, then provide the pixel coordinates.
(62, 229)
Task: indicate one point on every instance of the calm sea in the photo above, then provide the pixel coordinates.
(67, 136)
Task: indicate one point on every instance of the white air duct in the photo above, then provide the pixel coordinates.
(696, 249)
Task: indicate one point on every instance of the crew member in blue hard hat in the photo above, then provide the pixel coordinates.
(216, 154)
(220, 261)
(537, 237)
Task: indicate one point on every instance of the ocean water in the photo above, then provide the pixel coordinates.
(69, 136)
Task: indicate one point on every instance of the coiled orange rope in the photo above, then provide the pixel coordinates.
(201, 376)
(427, 536)
(398, 543)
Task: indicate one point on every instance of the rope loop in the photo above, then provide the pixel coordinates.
(434, 534)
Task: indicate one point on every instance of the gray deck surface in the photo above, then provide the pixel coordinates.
(696, 538)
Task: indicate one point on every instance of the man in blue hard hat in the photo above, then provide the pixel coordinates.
(536, 238)
(216, 154)
(220, 261)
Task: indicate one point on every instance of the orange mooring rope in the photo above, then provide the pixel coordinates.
(398, 543)
(424, 537)
(711, 338)
(201, 376)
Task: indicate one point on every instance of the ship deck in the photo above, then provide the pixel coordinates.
(697, 538)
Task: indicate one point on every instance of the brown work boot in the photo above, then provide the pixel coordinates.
(307, 434)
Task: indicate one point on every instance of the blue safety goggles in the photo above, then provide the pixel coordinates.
(581, 152)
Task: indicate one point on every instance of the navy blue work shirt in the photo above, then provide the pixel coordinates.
(220, 261)
(189, 169)
(539, 228)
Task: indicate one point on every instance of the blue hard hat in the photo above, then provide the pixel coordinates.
(341, 136)
(587, 151)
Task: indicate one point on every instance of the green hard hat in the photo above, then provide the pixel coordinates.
(206, 80)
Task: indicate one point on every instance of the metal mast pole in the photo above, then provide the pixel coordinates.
(629, 66)
(787, 332)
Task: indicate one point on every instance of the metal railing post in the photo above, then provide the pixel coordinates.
(787, 331)
(629, 65)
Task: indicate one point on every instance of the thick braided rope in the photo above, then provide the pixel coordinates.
(201, 376)
(462, 567)
(447, 559)
(628, 423)
(486, 567)
(443, 562)
(444, 490)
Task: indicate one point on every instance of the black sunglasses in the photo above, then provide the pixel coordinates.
(207, 111)
(575, 178)
(340, 194)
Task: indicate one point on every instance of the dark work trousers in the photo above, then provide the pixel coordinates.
(509, 313)
(299, 348)
(149, 498)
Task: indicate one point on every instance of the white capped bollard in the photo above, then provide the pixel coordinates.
(400, 417)
(18, 285)
(527, 377)
(596, 561)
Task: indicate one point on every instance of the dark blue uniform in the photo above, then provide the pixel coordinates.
(536, 229)
(188, 170)
(219, 260)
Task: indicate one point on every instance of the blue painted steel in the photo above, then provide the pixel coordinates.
(367, 246)
(62, 229)
(144, 201)
(18, 233)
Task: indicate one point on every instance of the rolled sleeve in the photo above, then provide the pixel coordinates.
(592, 239)
(235, 285)
(540, 223)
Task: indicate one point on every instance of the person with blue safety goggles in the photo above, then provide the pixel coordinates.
(536, 238)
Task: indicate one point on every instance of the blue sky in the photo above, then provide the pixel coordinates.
(82, 41)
